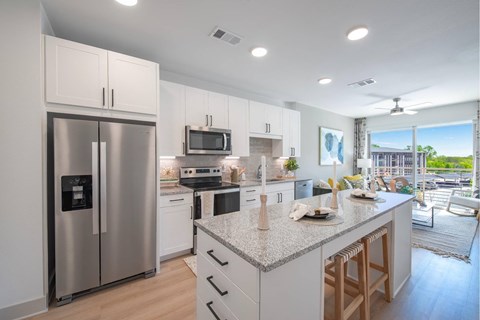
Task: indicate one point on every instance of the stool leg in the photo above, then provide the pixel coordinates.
(386, 267)
(339, 287)
(366, 248)
(362, 286)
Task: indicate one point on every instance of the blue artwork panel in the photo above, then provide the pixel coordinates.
(331, 146)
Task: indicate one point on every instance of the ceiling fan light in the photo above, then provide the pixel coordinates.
(357, 33)
(397, 112)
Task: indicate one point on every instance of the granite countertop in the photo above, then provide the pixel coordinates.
(253, 183)
(167, 191)
(287, 239)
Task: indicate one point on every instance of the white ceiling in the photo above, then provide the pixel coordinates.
(422, 51)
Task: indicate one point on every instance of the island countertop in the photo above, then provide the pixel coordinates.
(287, 239)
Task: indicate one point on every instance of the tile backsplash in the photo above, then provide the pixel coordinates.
(258, 147)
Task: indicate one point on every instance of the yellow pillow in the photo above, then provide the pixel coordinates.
(330, 182)
(354, 178)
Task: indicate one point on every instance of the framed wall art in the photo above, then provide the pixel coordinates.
(331, 146)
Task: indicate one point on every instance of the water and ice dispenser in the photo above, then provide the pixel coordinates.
(76, 192)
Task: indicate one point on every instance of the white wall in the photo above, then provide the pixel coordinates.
(21, 222)
(312, 120)
(454, 113)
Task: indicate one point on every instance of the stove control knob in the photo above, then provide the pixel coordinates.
(185, 171)
(190, 171)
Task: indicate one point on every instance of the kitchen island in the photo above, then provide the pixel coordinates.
(245, 273)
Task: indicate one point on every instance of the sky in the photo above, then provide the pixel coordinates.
(454, 140)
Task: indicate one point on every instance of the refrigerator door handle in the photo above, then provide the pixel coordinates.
(103, 187)
(95, 187)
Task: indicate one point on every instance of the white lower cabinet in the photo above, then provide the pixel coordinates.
(276, 193)
(176, 224)
(227, 286)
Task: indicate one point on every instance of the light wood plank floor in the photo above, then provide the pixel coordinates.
(439, 289)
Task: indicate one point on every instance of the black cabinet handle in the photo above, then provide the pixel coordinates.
(281, 197)
(294, 151)
(206, 118)
(173, 200)
(269, 128)
(191, 212)
(209, 306)
(220, 292)
(183, 147)
(250, 200)
(210, 253)
(211, 120)
(278, 197)
(266, 127)
(252, 190)
(103, 96)
(113, 98)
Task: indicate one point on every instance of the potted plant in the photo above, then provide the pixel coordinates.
(291, 165)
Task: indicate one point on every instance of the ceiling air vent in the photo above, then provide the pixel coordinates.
(362, 83)
(227, 36)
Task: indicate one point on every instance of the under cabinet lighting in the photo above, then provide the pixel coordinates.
(128, 3)
(283, 158)
(167, 157)
(232, 158)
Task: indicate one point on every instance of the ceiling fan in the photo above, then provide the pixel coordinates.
(397, 110)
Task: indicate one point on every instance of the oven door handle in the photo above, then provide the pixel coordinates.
(197, 194)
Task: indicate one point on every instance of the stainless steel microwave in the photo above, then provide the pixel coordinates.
(206, 140)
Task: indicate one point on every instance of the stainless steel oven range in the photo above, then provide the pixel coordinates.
(226, 196)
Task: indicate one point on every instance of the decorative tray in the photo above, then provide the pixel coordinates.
(363, 197)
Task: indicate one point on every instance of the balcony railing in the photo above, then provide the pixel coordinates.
(438, 183)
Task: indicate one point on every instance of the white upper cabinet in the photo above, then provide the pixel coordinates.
(206, 109)
(75, 73)
(196, 107)
(238, 123)
(132, 83)
(172, 119)
(218, 110)
(289, 146)
(81, 75)
(265, 120)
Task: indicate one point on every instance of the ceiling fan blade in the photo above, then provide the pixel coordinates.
(410, 112)
(421, 104)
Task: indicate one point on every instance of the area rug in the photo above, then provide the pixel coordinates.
(191, 262)
(451, 236)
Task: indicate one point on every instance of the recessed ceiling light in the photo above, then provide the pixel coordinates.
(324, 80)
(357, 33)
(128, 3)
(259, 52)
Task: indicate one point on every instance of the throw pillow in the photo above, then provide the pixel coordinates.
(357, 182)
(344, 184)
(324, 185)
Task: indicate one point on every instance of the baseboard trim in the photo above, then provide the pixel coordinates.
(174, 255)
(24, 309)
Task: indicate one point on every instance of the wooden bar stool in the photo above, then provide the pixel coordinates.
(360, 296)
(385, 269)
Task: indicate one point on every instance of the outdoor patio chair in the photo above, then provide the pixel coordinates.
(471, 202)
(381, 183)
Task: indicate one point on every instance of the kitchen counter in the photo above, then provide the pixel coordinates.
(281, 271)
(288, 239)
(168, 191)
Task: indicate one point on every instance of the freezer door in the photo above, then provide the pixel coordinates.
(76, 206)
(127, 196)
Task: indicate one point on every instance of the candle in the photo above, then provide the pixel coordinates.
(264, 175)
(335, 174)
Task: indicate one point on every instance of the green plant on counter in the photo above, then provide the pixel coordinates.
(291, 165)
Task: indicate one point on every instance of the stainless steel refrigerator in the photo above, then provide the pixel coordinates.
(104, 204)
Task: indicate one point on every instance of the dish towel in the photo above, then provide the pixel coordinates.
(207, 198)
(298, 210)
